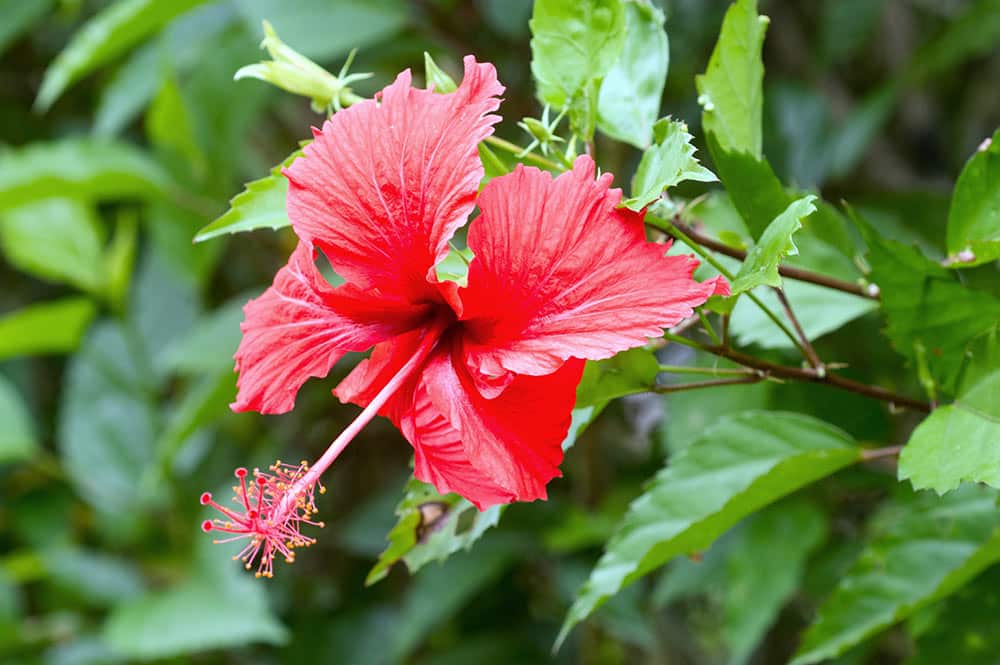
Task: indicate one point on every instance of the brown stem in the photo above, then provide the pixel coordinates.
(810, 352)
(787, 271)
(695, 385)
(878, 453)
(808, 375)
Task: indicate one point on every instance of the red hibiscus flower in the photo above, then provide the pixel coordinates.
(480, 379)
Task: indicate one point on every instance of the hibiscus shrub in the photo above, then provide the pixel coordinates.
(746, 407)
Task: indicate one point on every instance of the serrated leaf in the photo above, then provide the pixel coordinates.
(761, 265)
(432, 526)
(965, 630)
(628, 372)
(260, 205)
(752, 185)
(730, 90)
(932, 317)
(737, 466)
(924, 549)
(574, 44)
(88, 169)
(17, 430)
(629, 100)
(51, 327)
(974, 217)
(111, 32)
(957, 443)
(670, 161)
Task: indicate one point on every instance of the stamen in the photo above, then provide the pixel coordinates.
(274, 507)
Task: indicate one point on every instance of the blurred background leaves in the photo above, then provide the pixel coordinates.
(123, 133)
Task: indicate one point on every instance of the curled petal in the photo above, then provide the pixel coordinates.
(301, 326)
(514, 439)
(383, 186)
(575, 273)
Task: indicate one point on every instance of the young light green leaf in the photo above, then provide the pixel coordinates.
(55, 239)
(629, 372)
(737, 466)
(932, 317)
(629, 101)
(761, 265)
(957, 443)
(260, 205)
(17, 430)
(87, 169)
(50, 327)
(974, 217)
(924, 549)
(433, 526)
(730, 90)
(437, 77)
(670, 161)
(574, 44)
(111, 32)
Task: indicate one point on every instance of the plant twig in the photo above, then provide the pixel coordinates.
(878, 453)
(808, 375)
(787, 271)
(807, 346)
(696, 385)
(711, 371)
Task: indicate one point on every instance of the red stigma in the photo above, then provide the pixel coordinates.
(269, 515)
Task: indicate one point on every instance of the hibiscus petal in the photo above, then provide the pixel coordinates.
(301, 326)
(575, 274)
(515, 440)
(439, 454)
(384, 186)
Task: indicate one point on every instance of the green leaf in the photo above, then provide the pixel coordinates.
(764, 569)
(100, 579)
(433, 526)
(210, 343)
(18, 16)
(260, 205)
(972, 33)
(730, 90)
(752, 185)
(629, 101)
(111, 32)
(169, 128)
(737, 466)
(632, 371)
(323, 30)
(88, 169)
(670, 161)
(57, 240)
(924, 548)
(217, 607)
(932, 317)
(957, 443)
(107, 419)
(51, 327)
(17, 430)
(437, 77)
(974, 217)
(574, 44)
(965, 630)
(761, 265)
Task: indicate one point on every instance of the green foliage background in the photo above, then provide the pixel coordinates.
(116, 337)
